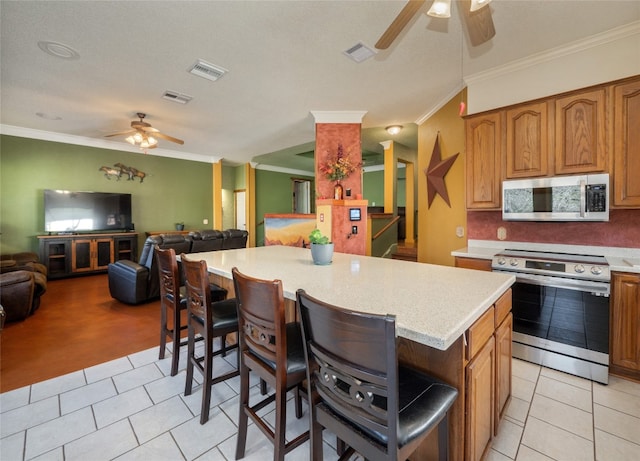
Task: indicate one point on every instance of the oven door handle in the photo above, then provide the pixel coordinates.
(598, 288)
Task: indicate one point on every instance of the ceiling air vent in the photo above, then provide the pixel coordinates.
(359, 52)
(206, 70)
(174, 96)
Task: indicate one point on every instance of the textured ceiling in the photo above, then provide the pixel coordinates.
(285, 59)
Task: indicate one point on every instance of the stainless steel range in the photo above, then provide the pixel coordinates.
(560, 310)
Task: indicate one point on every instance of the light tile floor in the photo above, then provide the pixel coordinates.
(131, 409)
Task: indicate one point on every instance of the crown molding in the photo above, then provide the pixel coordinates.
(22, 132)
(536, 59)
(278, 169)
(339, 116)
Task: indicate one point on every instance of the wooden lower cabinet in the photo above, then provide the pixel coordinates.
(66, 256)
(625, 325)
(504, 335)
(473, 263)
(88, 255)
(480, 408)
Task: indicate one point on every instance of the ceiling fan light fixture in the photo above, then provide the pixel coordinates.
(137, 137)
(440, 9)
(477, 4)
(152, 141)
(130, 140)
(394, 129)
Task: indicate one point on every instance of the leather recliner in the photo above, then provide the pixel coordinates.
(135, 283)
(20, 293)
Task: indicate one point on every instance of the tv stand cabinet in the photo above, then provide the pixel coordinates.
(69, 255)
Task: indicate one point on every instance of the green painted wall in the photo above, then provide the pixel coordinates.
(373, 187)
(274, 194)
(173, 190)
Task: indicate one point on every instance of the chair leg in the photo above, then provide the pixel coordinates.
(244, 404)
(163, 331)
(176, 342)
(443, 439)
(298, 401)
(223, 345)
(315, 436)
(207, 381)
(281, 423)
(190, 358)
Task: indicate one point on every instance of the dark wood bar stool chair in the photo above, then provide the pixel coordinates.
(173, 302)
(358, 391)
(272, 349)
(210, 320)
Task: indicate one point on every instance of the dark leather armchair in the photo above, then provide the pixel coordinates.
(234, 238)
(20, 293)
(135, 283)
(25, 260)
(206, 240)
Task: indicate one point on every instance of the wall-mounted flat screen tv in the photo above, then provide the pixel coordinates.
(73, 211)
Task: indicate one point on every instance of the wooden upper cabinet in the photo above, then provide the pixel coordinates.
(626, 132)
(484, 154)
(580, 134)
(528, 141)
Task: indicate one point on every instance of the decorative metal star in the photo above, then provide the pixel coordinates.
(436, 171)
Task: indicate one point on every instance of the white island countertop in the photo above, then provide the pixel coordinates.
(434, 305)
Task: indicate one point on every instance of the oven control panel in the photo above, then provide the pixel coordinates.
(583, 267)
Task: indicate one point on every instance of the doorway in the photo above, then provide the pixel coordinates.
(240, 209)
(301, 196)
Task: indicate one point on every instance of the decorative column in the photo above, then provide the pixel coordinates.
(343, 220)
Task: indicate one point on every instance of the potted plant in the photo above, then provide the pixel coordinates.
(321, 248)
(180, 226)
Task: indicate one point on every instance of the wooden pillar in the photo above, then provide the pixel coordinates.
(334, 217)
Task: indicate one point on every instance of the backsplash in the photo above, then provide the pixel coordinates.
(622, 229)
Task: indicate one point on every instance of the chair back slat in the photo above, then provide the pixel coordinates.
(169, 276)
(197, 287)
(261, 317)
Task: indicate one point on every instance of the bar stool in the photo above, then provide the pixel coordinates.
(173, 302)
(210, 320)
(358, 391)
(272, 349)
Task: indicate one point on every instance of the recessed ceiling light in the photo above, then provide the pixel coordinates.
(58, 50)
(48, 116)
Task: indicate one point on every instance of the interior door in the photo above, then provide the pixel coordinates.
(240, 206)
(301, 196)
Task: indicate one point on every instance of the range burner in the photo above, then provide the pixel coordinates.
(585, 267)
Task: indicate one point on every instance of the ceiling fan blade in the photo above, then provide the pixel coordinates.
(392, 32)
(157, 134)
(121, 133)
(479, 24)
(149, 129)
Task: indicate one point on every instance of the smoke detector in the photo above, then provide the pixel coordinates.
(207, 70)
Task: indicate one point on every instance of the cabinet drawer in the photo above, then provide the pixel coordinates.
(502, 307)
(480, 332)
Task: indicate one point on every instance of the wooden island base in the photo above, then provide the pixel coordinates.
(478, 364)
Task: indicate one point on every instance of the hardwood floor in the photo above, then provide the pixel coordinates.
(77, 325)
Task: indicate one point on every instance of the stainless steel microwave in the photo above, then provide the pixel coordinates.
(559, 198)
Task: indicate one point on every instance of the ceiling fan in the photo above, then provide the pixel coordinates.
(477, 18)
(144, 135)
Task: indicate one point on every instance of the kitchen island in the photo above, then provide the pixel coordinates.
(446, 318)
